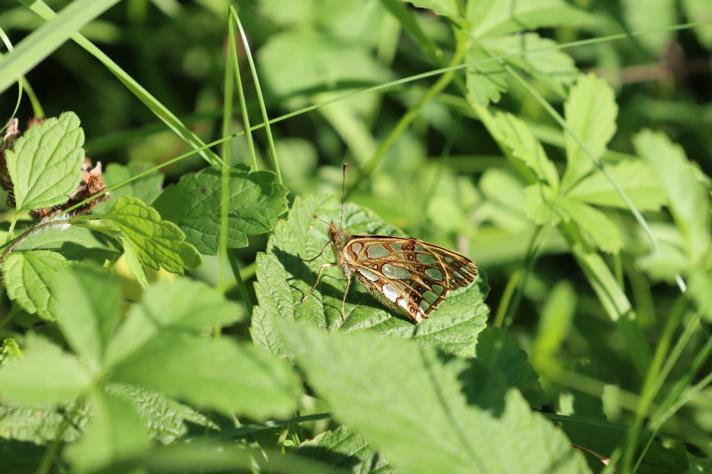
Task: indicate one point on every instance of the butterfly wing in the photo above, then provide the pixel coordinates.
(406, 274)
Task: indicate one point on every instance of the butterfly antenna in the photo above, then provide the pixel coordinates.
(343, 193)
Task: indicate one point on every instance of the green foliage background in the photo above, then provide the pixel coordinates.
(563, 145)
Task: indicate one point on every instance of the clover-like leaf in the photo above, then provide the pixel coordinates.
(591, 112)
(156, 242)
(284, 277)
(635, 178)
(256, 200)
(495, 17)
(27, 277)
(45, 163)
(409, 405)
(687, 196)
(487, 76)
(518, 140)
(596, 224)
(439, 7)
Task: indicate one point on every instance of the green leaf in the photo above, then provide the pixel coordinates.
(44, 375)
(156, 242)
(409, 405)
(181, 304)
(115, 432)
(342, 448)
(635, 177)
(439, 7)
(284, 277)
(497, 351)
(256, 200)
(134, 263)
(496, 17)
(212, 373)
(87, 310)
(9, 350)
(700, 11)
(26, 276)
(688, 199)
(541, 203)
(62, 236)
(166, 419)
(207, 457)
(655, 18)
(699, 288)
(486, 77)
(535, 55)
(595, 224)
(591, 112)
(146, 188)
(45, 163)
(319, 62)
(554, 322)
(520, 143)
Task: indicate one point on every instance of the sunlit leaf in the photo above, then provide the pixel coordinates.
(256, 200)
(284, 277)
(45, 163)
(26, 276)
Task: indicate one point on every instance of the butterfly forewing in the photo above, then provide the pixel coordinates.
(407, 274)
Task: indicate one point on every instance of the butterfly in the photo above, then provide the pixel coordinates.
(406, 275)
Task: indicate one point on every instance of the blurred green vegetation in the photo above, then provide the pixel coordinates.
(426, 160)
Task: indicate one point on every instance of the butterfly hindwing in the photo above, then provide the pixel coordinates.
(406, 274)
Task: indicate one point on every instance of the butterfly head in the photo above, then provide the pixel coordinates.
(337, 236)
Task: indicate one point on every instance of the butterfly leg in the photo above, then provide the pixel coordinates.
(343, 300)
(318, 279)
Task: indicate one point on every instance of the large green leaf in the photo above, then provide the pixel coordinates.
(211, 373)
(408, 404)
(87, 310)
(591, 113)
(169, 305)
(256, 200)
(44, 374)
(156, 242)
(688, 199)
(497, 351)
(45, 163)
(27, 277)
(284, 277)
(115, 432)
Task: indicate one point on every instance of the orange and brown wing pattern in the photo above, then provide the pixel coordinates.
(406, 274)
